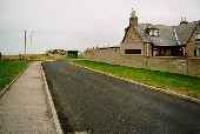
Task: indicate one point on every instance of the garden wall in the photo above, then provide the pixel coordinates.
(187, 66)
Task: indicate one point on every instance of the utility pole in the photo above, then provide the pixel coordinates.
(25, 38)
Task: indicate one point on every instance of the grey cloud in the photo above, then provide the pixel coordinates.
(78, 24)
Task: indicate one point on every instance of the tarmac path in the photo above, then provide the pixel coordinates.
(88, 101)
(23, 109)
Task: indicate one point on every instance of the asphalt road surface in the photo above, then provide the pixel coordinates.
(88, 101)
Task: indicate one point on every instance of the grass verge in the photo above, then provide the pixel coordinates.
(9, 70)
(187, 85)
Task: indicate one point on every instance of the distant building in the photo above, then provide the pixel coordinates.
(161, 40)
(73, 53)
(103, 50)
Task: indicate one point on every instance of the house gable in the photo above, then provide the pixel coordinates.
(131, 36)
(132, 42)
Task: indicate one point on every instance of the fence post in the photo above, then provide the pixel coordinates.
(0, 56)
(187, 70)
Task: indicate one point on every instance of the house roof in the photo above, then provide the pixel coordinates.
(168, 35)
(184, 31)
(165, 37)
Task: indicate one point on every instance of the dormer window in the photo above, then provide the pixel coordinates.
(154, 32)
(183, 21)
(197, 36)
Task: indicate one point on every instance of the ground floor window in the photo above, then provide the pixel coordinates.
(197, 52)
(133, 51)
(168, 51)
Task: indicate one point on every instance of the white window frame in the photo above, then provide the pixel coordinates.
(197, 36)
(154, 32)
(151, 32)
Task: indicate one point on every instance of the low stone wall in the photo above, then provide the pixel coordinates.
(170, 64)
(193, 66)
(33, 57)
(181, 65)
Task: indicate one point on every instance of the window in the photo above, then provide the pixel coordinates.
(154, 32)
(151, 33)
(197, 52)
(197, 36)
(133, 51)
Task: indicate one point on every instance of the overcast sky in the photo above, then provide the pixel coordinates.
(78, 24)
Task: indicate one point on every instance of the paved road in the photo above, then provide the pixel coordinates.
(103, 105)
(23, 109)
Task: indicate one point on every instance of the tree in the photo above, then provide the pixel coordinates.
(57, 51)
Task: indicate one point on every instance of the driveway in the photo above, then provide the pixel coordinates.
(88, 101)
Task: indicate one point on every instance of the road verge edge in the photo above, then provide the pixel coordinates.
(7, 87)
(158, 89)
(50, 103)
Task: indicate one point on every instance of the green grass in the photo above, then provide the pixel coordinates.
(73, 58)
(9, 70)
(180, 83)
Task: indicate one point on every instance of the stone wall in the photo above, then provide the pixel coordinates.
(193, 66)
(187, 66)
(33, 57)
(170, 64)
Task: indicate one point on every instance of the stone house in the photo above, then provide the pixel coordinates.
(161, 40)
(189, 36)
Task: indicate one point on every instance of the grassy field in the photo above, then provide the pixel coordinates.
(180, 83)
(9, 70)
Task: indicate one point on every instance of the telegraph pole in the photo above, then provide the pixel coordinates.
(25, 38)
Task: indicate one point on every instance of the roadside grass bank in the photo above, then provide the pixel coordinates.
(179, 83)
(9, 70)
(71, 58)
